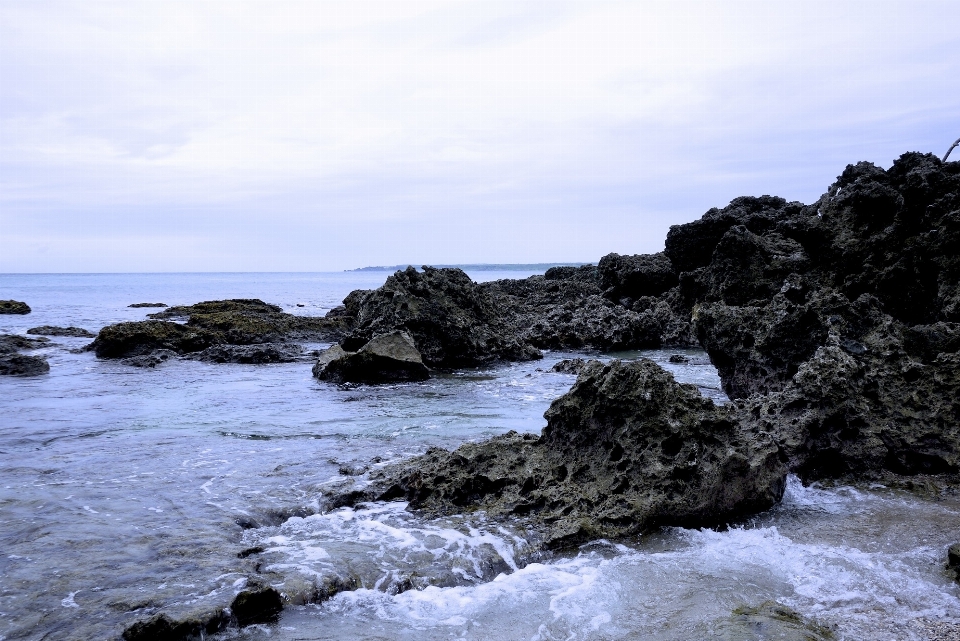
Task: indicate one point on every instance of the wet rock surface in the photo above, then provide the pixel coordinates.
(390, 357)
(138, 305)
(626, 450)
(13, 307)
(771, 620)
(13, 363)
(227, 331)
(50, 330)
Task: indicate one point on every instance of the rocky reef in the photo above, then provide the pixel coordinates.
(50, 330)
(390, 357)
(235, 331)
(13, 363)
(13, 307)
(835, 328)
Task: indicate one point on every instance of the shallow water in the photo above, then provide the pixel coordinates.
(122, 489)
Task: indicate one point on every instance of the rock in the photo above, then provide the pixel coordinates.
(10, 343)
(148, 305)
(245, 321)
(124, 340)
(50, 330)
(678, 358)
(13, 307)
(162, 628)
(23, 365)
(772, 620)
(570, 366)
(260, 354)
(152, 359)
(386, 358)
(636, 276)
(953, 559)
(453, 321)
(256, 604)
(627, 450)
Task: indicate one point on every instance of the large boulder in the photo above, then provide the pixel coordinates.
(628, 449)
(390, 357)
(13, 363)
(13, 307)
(636, 276)
(453, 321)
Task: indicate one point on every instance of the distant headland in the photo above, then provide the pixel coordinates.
(482, 267)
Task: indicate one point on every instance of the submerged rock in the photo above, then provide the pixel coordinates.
(135, 305)
(259, 354)
(13, 307)
(152, 359)
(772, 620)
(628, 449)
(386, 358)
(50, 330)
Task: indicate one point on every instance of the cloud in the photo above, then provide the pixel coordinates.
(334, 134)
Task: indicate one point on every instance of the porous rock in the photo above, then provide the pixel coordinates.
(23, 365)
(124, 340)
(13, 307)
(390, 357)
(626, 450)
(453, 321)
(258, 354)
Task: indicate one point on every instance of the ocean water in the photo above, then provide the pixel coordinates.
(126, 491)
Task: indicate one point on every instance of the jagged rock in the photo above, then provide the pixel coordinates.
(10, 343)
(135, 305)
(23, 365)
(124, 340)
(453, 321)
(570, 366)
(953, 560)
(386, 358)
(13, 307)
(260, 354)
(626, 450)
(50, 330)
(635, 276)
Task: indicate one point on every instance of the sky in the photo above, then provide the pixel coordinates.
(142, 136)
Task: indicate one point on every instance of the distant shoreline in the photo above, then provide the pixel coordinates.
(481, 267)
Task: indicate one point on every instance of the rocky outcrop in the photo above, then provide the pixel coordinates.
(13, 307)
(633, 277)
(387, 358)
(13, 363)
(50, 330)
(227, 331)
(138, 305)
(628, 449)
(452, 321)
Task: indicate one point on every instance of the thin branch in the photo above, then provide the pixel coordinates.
(947, 155)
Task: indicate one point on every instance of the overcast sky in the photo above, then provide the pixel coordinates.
(326, 135)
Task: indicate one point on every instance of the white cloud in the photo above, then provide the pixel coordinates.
(591, 124)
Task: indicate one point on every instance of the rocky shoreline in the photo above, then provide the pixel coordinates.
(834, 326)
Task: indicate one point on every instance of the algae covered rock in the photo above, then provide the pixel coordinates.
(771, 621)
(390, 357)
(628, 449)
(124, 340)
(453, 321)
(13, 307)
(51, 330)
(258, 354)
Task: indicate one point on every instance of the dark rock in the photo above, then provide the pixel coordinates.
(260, 354)
(256, 604)
(23, 365)
(124, 340)
(453, 321)
(152, 359)
(50, 330)
(10, 343)
(162, 628)
(636, 276)
(678, 358)
(386, 358)
(628, 449)
(13, 307)
(148, 305)
(570, 366)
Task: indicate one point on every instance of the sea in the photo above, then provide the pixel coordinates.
(125, 492)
